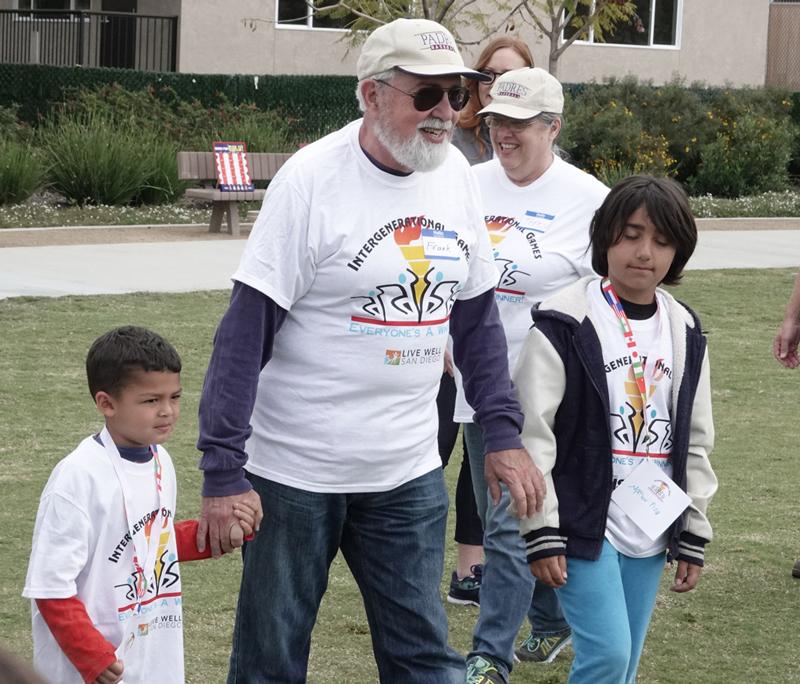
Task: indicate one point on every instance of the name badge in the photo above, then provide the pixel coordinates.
(650, 498)
(440, 244)
(538, 221)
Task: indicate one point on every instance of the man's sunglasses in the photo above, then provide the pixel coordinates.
(428, 97)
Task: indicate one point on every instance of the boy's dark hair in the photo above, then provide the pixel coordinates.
(114, 356)
(668, 208)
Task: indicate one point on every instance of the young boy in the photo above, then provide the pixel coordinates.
(614, 376)
(103, 576)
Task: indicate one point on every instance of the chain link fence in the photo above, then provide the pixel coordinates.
(783, 51)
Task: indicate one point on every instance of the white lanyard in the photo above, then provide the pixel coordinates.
(145, 546)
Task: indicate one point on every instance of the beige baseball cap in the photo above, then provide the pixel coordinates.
(417, 46)
(525, 93)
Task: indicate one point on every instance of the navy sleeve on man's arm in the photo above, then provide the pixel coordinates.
(242, 346)
(481, 354)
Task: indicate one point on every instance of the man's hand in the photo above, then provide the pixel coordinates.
(517, 471)
(112, 674)
(218, 521)
(686, 577)
(551, 570)
(784, 346)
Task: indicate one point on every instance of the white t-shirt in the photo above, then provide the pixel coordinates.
(540, 240)
(83, 546)
(368, 265)
(633, 440)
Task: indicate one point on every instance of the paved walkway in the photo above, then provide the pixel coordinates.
(185, 266)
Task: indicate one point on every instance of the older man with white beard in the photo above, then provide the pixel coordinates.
(320, 394)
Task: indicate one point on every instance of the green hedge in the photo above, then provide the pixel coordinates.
(723, 141)
(316, 104)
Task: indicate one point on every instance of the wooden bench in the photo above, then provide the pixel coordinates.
(201, 166)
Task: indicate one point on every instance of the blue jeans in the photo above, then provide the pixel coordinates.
(609, 603)
(508, 589)
(393, 543)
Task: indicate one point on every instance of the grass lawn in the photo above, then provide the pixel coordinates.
(737, 627)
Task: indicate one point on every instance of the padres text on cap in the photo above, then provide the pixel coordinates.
(417, 46)
(525, 93)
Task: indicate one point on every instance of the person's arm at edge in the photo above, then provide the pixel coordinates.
(784, 347)
(481, 354)
(242, 347)
(80, 641)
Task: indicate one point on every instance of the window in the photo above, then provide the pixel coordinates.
(301, 13)
(654, 23)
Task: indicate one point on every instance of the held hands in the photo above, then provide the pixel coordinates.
(227, 520)
(552, 571)
(517, 471)
(784, 346)
(112, 674)
(686, 577)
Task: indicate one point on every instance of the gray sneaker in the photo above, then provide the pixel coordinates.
(796, 569)
(483, 671)
(543, 649)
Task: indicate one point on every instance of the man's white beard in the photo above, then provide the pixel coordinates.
(415, 153)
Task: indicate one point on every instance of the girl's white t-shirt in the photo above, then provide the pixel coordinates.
(540, 242)
(633, 440)
(83, 546)
(368, 266)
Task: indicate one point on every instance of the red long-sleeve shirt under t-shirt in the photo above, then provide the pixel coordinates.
(72, 628)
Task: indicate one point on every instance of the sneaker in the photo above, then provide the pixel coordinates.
(466, 592)
(482, 671)
(543, 649)
(796, 569)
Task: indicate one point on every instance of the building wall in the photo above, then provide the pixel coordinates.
(215, 39)
(721, 41)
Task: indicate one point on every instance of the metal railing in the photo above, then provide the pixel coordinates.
(91, 39)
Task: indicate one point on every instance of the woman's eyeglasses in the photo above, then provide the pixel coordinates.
(491, 74)
(428, 97)
(516, 125)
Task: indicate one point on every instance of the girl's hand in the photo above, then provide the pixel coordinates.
(112, 674)
(686, 577)
(551, 570)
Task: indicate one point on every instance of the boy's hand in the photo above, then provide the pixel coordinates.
(551, 570)
(246, 515)
(686, 577)
(112, 674)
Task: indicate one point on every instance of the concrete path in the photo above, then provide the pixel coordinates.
(54, 271)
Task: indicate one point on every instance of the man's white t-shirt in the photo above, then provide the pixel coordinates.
(540, 240)
(83, 546)
(368, 265)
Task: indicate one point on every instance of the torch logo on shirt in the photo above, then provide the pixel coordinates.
(628, 424)
(421, 294)
(499, 228)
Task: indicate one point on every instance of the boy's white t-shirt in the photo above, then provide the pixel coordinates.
(631, 440)
(368, 265)
(82, 547)
(540, 240)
